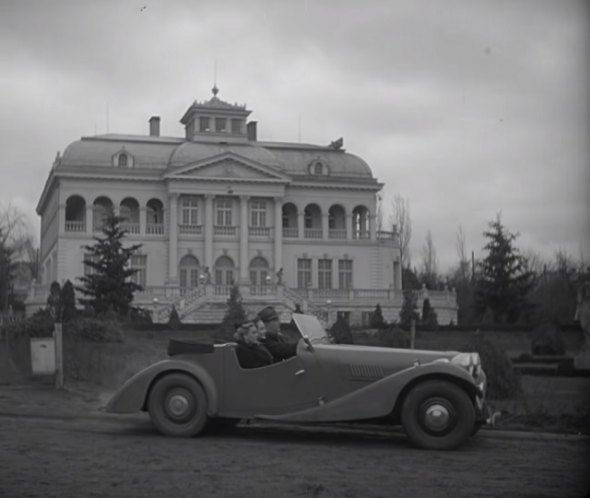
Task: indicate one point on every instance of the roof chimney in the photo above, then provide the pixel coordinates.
(155, 126)
(251, 128)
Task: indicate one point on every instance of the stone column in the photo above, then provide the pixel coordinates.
(142, 220)
(348, 226)
(173, 238)
(89, 218)
(301, 224)
(278, 234)
(208, 222)
(243, 279)
(325, 225)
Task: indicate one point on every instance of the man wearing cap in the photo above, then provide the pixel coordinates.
(274, 341)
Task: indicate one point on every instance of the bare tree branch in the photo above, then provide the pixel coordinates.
(402, 222)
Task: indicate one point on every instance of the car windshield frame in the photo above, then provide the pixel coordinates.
(309, 326)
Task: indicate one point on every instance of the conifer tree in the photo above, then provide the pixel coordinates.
(234, 315)
(377, 321)
(68, 302)
(504, 279)
(108, 286)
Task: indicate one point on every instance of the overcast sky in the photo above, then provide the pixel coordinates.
(465, 108)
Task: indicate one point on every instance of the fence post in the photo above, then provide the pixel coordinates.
(59, 364)
(412, 334)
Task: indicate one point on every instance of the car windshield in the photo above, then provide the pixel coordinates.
(310, 326)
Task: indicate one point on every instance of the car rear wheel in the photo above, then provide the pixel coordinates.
(177, 405)
(438, 415)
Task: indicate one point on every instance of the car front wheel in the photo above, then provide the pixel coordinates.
(438, 415)
(177, 405)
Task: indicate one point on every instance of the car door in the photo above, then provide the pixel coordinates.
(283, 387)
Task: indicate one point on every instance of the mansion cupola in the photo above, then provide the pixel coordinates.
(216, 119)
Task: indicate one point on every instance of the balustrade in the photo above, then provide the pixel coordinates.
(154, 228)
(224, 230)
(75, 226)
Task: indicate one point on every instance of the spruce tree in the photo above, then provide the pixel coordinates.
(234, 315)
(108, 286)
(504, 279)
(68, 302)
(429, 316)
(377, 321)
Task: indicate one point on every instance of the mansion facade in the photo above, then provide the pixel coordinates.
(292, 224)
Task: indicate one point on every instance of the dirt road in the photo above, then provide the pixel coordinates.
(91, 454)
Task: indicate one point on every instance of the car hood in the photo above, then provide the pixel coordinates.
(369, 362)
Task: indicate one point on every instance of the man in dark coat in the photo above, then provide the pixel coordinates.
(251, 352)
(275, 342)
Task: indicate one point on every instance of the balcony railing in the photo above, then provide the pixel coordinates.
(75, 226)
(130, 227)
(259, 231)
(154, 228)
(361, 235)
(192, 229)
(290, 232)
(224, 230)
(337, 233)
(313, 233)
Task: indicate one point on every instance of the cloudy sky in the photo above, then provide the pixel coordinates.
(466, 108)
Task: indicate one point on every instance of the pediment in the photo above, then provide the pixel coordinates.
(228, 166)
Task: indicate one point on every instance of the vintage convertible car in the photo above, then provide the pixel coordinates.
(438, 397)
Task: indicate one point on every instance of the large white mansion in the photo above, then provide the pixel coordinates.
(289, 223)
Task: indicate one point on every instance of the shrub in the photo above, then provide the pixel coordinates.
(341, 332)
(68, 302)
(429, 318)
(234, 315)
(547, 340)
(174, 320)
(377, 321)
(40, 324)
(393, 337)
(503, 380)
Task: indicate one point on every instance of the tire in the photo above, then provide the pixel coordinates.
(438, 415)
(177, 405)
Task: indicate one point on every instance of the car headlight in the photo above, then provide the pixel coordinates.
(469, 361)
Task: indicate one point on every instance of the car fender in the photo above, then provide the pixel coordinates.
(375, 400)
(132, 396)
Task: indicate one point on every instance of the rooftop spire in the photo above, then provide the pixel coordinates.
(215, 90)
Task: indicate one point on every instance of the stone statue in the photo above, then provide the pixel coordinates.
(280, 276)
(582, 359)
(207, 275)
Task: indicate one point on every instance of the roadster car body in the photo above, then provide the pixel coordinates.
(438, 397)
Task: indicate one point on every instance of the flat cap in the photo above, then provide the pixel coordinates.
(268, 314)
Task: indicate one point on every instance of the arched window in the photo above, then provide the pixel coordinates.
(101, 209)
(75, 214)
(224, 271)
(360, 223)
(154, 217)
(129, 214)
(188, 270)
(123, 160)
(259, 271)
(337, 222)
(313, 221)
(290, 228)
